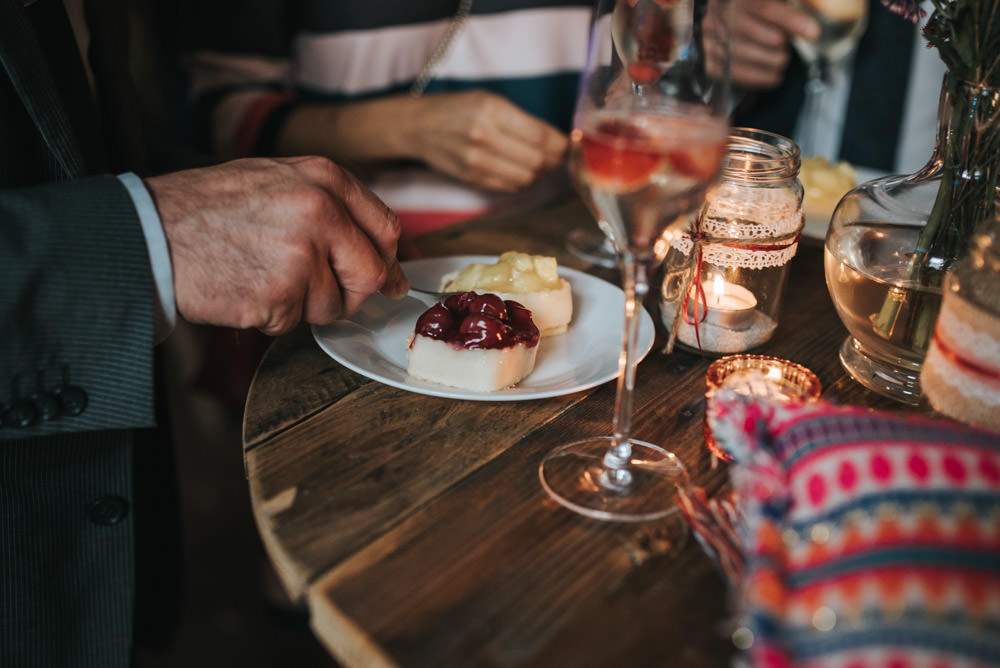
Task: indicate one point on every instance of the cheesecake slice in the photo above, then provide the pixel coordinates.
(474, 342)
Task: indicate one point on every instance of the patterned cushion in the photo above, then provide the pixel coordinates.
(869, 539)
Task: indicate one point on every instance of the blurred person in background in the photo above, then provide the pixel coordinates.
(879, 106)
(447, 109)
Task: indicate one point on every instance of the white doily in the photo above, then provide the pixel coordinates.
(753, 215)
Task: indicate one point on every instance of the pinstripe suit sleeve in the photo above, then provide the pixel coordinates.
(77, 292)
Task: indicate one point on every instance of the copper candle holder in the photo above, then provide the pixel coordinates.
(756, 375)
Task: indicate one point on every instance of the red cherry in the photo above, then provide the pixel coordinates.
(437, 322)
(521, 322)
(618, 156)
(488, 304)
(482, 331)
(459, 302)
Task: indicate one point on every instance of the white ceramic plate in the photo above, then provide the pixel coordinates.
(373, 341)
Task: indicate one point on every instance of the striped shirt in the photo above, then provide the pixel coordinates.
(529, 51)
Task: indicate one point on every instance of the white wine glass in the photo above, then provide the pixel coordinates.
(649, 134)
(841, 23)
(589, 243)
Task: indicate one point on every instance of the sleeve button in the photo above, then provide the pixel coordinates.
(20, 413)
(47, 405)
(108, 510)
(72, 398)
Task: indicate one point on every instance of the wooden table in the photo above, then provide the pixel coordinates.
(417, 531)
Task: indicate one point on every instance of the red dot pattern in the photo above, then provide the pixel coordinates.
(817, 489)
(954, 469)
(988, 469)
(848, 475)
(826, 479)
(881, 468)
(918, 467)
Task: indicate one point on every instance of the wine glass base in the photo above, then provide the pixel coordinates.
(575, 476)
(590, 244)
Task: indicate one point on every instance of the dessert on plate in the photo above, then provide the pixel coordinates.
(473, 341)
(531, 280)
(824, 184)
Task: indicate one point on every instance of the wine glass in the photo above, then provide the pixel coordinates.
(650, 131)
(589, 243)
(841, 23)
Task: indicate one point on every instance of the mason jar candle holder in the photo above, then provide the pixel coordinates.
(723, 281)
(756, 376)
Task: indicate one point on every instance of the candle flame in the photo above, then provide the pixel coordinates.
(718, 288)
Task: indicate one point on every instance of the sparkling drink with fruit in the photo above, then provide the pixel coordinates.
(644, 169)
(648, 34)
(649, 135)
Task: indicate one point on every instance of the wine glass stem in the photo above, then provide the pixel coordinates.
(618, 456)
(812, 107)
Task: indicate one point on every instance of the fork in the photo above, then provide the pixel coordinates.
(429, 297)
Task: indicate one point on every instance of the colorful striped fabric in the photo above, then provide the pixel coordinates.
(870, 539)
(530, 51)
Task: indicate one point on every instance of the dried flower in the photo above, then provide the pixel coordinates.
(908, 9)
(966, 34)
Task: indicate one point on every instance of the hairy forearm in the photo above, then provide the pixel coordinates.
(356, 132)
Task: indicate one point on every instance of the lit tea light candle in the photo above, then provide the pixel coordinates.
(757, 376)
(726, 304)
(759, 383)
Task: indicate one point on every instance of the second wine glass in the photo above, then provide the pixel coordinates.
(841, 23)
(649, 135)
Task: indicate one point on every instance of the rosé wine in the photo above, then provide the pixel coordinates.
(645, 171)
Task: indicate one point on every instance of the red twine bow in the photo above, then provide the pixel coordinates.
(699, 239)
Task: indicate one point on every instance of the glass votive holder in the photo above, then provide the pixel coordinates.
(756, 376)
(723, 280)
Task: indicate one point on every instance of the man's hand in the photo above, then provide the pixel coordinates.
(267, 243)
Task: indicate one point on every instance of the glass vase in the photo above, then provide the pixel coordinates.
(891, 242)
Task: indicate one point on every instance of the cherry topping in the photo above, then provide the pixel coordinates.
(482, 331)
(472, 321)
(437, 322)
(488, 304)
(521, 323)
(460, 301)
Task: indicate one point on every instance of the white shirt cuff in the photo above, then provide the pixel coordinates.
(165, 315)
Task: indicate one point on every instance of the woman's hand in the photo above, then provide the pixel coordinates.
(477, 137)
(485, 140)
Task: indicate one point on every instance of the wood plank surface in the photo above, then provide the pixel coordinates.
(417, 530)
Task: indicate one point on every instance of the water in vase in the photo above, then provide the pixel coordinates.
(883, 307)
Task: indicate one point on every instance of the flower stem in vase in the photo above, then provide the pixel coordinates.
(970, 167)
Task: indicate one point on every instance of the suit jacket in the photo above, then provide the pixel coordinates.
(76, 309)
